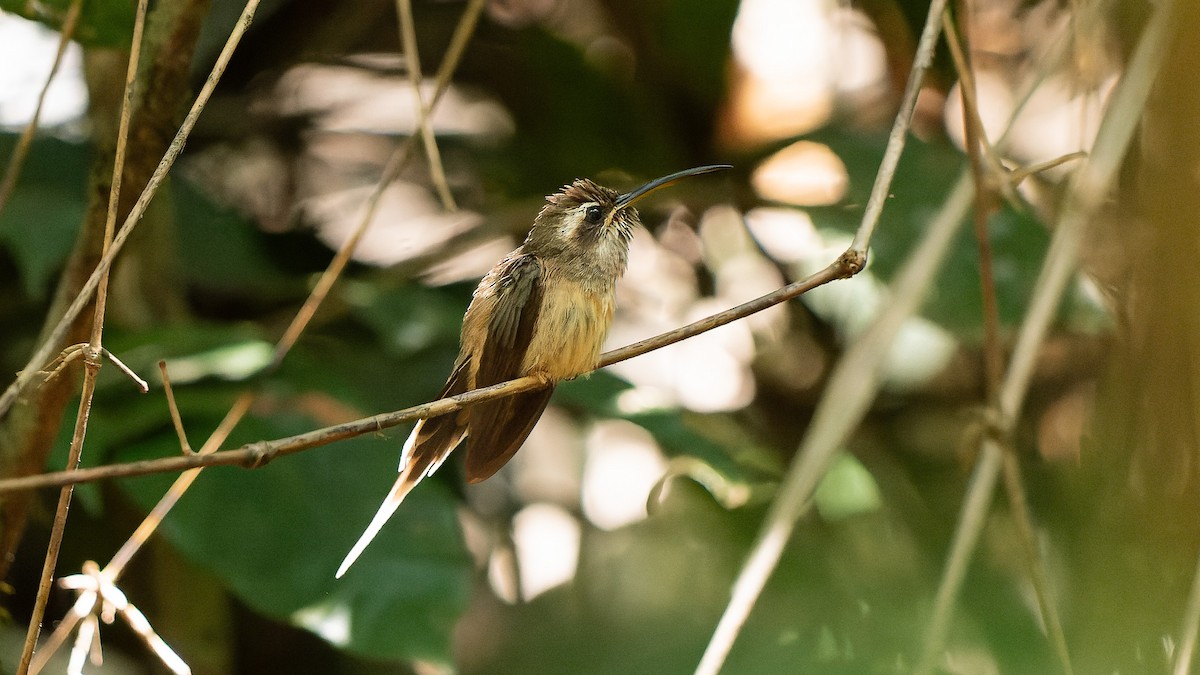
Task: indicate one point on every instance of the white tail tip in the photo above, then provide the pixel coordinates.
(389, 506)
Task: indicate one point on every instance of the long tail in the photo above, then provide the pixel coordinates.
(404, 484)
(429, 444)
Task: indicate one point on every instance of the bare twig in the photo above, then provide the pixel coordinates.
(1038, 576)
(1019, 175)
(899, 133)
(17, 160)
(65, 358)
(56, 335)
(391, 169)
(408, 41)
(176, 419)
(98, 283)
(150, 523)
(76, 351)
(92, 365)
(986, 205)
(791, 501)
(1086, 193)
(974, 511)
(142, 385)
(846, 399)
(258, 454)
(82, 608)
(984, 161)
(92, 355)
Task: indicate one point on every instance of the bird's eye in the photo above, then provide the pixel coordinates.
(592, 215)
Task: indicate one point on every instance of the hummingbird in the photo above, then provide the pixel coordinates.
(543, 310)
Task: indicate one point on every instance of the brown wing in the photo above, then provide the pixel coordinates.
(498, 428)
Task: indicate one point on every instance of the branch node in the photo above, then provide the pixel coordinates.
(851, 262)
(259, 455)
(142, 386)
(1017, 176)
(93, 356)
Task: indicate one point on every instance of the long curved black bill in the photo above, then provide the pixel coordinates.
(632, 196)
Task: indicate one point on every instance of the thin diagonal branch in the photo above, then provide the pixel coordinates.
(92, 365)
(93, 353)
(391, 169)
(899, 133)
(98, 284)
(408, 41)
(986, 205)
(56, 335)
(829, 427)
(176, 418)
(846, 399)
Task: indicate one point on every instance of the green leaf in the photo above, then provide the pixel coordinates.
(223, 252)
(276, 535)
(847, 489)
(44, 213)
(102, 23)
(925, 175)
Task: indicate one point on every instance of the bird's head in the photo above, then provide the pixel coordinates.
(584, 218)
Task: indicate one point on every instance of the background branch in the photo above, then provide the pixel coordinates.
(1088, 188)
(862, 361)
(29, 418)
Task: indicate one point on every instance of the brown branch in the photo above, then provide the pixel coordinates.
(92, 365)
(93, 353)
(254, 455)
(987, 202)
(55, 336)
(31, 416)
(789, 503)
(408, 42)
(233, 417)
(391, 170)
(176, 419)
(1087, 191)
(28, 432)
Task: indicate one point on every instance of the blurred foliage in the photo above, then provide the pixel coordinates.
(38, 226)
(926, 172)
(102, 23)
(606, 89)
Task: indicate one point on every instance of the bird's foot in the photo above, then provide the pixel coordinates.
(544, 379)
